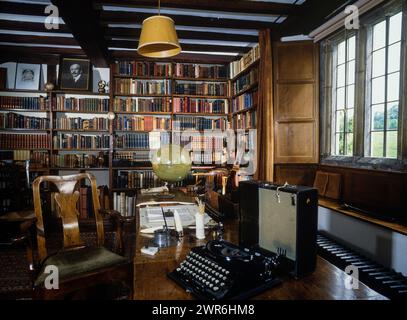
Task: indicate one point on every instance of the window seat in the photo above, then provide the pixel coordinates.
(336, 206)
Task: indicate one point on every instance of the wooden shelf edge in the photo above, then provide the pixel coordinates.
(208, 97)
(335, 206)
(248, 89)
(244, 110)
(201, 79)
(24, 110)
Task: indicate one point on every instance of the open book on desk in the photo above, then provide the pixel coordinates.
(151, 215)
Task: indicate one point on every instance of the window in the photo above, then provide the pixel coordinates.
(385, 87)
(364, 114)
(344, 93)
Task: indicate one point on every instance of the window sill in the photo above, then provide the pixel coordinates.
(335, 206)
(382, 164)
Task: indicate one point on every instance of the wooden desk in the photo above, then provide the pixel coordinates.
(151, 282)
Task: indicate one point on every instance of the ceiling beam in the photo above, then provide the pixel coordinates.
(309, 16)
(182, 57)
(83, 22)
(253, 7)
(185, 46)
(31, 26)
(184, 34)
(30, 9)
(25, 50)
(184, 20)
(29, 39)
(29, 57)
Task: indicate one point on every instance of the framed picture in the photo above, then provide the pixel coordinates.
(28, 76)
(74, 74)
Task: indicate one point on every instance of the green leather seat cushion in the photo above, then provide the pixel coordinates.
(76, 262)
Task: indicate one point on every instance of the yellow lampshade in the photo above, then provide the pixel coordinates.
(158, 38)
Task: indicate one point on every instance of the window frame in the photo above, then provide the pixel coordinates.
(342, 37)
(361, 131)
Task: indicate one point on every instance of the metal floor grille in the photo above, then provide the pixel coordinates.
(386, 281)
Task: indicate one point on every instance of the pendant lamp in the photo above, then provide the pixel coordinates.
(158, 38)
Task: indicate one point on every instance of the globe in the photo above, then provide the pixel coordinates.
(171, 163)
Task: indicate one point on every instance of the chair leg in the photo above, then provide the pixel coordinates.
(130, 281)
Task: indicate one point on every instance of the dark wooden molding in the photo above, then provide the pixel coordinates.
(29, 39)
(182, 57)
(309, 16)
(10, 56)
(185, 46)
(23, 51)
(29, 9)
(184, 20)
(84, 25)
(183, 34)
(210, 5)
(31, 26)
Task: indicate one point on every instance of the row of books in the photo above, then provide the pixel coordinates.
(207, 89)
(36, 158)
(127, 158)
(142, 87)
(81, 104)
(137, 179)
(244, 121)
(199, 123)
(238, 66)
(246, 81)
(133, 141)
(158, 139)
(245, 101)
(125, 204)
(28, 103)
(207, 158)
(143, 69)
(17, 121)
(121, 104)
(79, 141)
(200, 71)
(24, 141)
(141, 123)
(66, 123)
(206, 143)
(80, 160)
(193, 105)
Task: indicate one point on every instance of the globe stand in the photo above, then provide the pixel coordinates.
(166, 195)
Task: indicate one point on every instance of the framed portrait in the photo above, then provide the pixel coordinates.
(28, 76)
(74, 74)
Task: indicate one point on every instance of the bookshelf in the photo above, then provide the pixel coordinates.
(69, 131)
(149, 98)
(244, 84)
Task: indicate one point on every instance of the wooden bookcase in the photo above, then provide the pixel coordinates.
(208, 82)
(173, 110)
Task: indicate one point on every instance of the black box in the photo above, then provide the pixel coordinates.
(276, 217)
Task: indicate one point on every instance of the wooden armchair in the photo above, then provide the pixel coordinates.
(79, 267)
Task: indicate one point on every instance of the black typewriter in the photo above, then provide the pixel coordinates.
(221, 270)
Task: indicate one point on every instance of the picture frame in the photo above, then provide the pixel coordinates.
(74, 74)
(27, 76)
